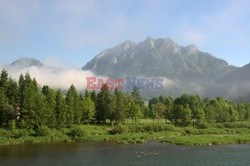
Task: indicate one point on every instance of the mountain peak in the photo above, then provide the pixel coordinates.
(26, 62)
(167, 45)
(127, 44)
(149, 38)
(190, 49)
(149, 42)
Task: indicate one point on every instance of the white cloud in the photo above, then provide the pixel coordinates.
(55, 77)
(167, 82)
(54, 61)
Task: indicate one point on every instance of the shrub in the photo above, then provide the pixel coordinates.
(203, 125)
(237, 125)
(43, 131)
(218, 125)
(19, 133)
(78, 131)
(118, 129)
(151, 127)
(4, 133)
(12, 125)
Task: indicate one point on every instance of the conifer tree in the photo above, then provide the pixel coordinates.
(119, 108)
(4, 81)
(28, 92)
(105, 107)
(74, 113)
(49, 104)
(7, 107)
(3, 103)
(12, 93)
(60, 109)
(86, 93)
(88, 109)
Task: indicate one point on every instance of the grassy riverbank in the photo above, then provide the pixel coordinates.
(227, 133)
(199, 140)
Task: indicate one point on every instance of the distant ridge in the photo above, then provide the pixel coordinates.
(235, 85)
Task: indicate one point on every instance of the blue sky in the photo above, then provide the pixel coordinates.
(72, 32)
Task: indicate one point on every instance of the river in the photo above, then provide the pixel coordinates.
(151, 153)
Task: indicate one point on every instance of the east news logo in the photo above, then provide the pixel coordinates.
(131, 82)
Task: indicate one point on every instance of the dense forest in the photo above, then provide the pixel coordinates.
(24, 104)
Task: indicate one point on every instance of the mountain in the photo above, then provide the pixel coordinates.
(55, 77)
(25, 62)
(235, 85)
(189, 69)
(160, 57)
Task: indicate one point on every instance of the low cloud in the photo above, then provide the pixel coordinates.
(53, 76)
(167, 82)
(60, 78)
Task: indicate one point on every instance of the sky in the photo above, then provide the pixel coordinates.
(72, 32)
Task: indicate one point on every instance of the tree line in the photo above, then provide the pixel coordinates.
(191, 109)
(26, 105)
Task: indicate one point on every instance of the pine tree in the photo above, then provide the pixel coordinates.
(13, 93)
(88, 109)
(28, 92)
(49, 104)
(7, 110)
(4, 81)
(74, 113)
(136, 93)
(93, 96)
(60, 109)
(41, 115)
(119, 109)
(105, 107)
(3, 103)
(86, 93)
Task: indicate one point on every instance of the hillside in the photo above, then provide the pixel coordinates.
(187, 69)
(235, 85)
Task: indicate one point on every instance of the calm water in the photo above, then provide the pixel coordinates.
(151, 153)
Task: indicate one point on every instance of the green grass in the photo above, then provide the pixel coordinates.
(128, 133)
(198, 140)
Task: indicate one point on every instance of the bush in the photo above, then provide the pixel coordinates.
(78, 131)
(4, 133)
(118, 129)
(203, 125)
(237, 125)
(12, 125)
(217, 125)
(19, 133)
(150, 127)
(43, 131)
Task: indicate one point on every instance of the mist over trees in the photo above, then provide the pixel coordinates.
(24, 104)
